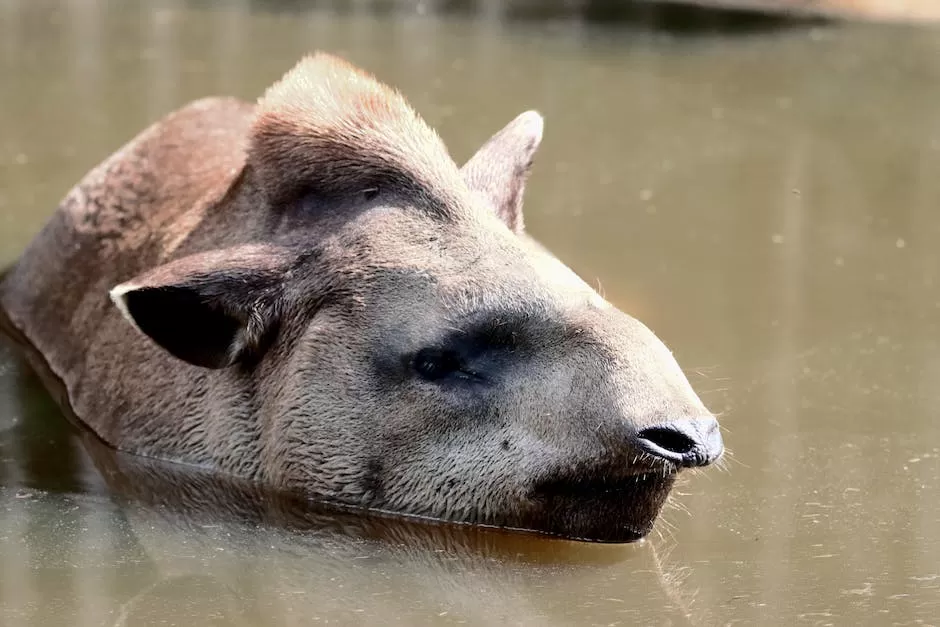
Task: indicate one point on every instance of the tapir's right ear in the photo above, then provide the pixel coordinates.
(499, 170)
(210, 309)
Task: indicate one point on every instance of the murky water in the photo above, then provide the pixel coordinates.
(765, 198)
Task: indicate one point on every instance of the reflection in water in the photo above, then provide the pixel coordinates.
(767, 203)
(152, 543)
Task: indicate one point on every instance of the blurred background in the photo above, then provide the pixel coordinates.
(756, 181)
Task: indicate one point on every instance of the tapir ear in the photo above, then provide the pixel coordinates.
(498, 171)
(210, 309)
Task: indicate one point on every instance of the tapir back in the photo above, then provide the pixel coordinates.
(148, 203)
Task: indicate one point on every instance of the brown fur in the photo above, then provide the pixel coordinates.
(328, 126)
(295, 277)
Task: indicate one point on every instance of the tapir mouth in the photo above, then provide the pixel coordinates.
(601, 508)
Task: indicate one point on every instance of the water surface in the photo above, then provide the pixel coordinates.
(766, 199)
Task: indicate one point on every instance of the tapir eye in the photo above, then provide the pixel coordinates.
(434, 364)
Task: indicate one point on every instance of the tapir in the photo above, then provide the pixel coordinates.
(308, 293)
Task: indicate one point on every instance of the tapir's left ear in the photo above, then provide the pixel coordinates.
(498, 171)
(210, 309)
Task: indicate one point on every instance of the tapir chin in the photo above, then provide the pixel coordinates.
(310, 294)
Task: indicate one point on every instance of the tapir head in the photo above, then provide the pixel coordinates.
(405, 345)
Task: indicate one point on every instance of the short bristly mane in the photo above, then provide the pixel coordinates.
(328, 126)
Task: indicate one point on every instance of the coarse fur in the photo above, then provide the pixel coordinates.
(310, 294)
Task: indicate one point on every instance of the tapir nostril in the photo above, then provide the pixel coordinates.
(687, 442)
(668, 439)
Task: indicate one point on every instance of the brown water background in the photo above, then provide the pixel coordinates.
(765, 197)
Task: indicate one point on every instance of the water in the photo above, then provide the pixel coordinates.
(764, 197)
